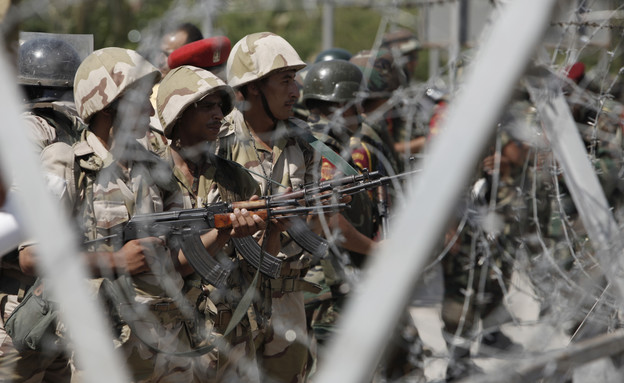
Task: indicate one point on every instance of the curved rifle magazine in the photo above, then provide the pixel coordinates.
(250, 250)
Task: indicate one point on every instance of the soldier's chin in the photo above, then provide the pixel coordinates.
(139, 132)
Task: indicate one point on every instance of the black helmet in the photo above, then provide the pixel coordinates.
(335, 81)
(47, 62)
(333, 54)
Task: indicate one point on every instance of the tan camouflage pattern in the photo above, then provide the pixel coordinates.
(29, 366)
(184, 86)
(258, 54)
(221, 182)
(290, 163)
(105, 74)
(43, 131)
(105, 195)
(283, 345)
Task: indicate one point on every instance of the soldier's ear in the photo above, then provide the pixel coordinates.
(253, 89)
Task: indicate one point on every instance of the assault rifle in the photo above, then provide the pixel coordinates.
(311, 194)
(184, 227)
(314, 193)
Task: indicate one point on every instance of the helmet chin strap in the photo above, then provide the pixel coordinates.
(267, 109)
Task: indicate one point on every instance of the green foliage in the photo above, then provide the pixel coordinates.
(354, 28)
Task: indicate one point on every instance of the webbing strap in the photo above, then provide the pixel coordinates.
(329, 154)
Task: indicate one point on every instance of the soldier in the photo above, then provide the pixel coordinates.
(104, 179)
(404, 46)
(389, 116)
(264, 138)
(333, 54)
(46, 68)
(191, 104)
(175, 38)
(329, 93)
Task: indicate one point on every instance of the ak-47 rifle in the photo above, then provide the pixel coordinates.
(314, 193)
(183, 228)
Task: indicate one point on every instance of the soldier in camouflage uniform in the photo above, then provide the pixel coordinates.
(46, 68)
(191, 104)
(390, 121)
(106, 178)
(264, 138)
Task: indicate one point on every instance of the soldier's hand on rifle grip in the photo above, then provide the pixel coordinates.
(245, 223)
(133, 256)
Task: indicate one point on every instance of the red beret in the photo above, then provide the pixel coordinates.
(204, 53)
(576, 72)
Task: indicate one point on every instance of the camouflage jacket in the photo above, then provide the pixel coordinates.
(101, 194)
(219, 180)
(290, 163)
(50, 122)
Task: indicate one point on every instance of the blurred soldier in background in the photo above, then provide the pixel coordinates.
(329, 92)
(47, 64)
(173, 39)
(326, 55)
(382, 78)
(333, 54)
(210, 53)
(263, 137)
(404, 46)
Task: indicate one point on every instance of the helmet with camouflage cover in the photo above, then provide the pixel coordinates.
(381, 75)
(105, 75)
(184, 86)
(335, 81)
(259, 54)
(402, 39)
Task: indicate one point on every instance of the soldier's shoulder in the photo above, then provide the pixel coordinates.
(233, 121)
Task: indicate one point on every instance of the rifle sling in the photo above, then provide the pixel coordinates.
(202, 262)
(252, 252)
(328, 153)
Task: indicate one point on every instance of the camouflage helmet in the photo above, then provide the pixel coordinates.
(403, 40)
(105, 75)
(333, 54)
(381, 75)
(335, 81)
(48, 62)
(259, 54)
(184, 86)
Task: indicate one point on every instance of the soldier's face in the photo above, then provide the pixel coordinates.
(134, 112)
(201, 121)
(281, 92)
(169, 43)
